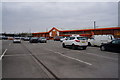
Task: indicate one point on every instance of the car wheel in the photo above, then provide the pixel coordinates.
(89, 44)
(102, 48)
(74, 47)
(84, 48)
(63, 45)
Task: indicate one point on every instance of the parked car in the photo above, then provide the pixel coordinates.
(57, 38)
(42, 40)
(4, 37)
(26, 38)
(34, 40)
(111, 46)
(75, 41)
(97, 40)
(17, 40)
(10, 38)
(0, 37)
(47, 38)
(62, 39)
(22, 38)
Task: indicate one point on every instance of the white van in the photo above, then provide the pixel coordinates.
(97, 40)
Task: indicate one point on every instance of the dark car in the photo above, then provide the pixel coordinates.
(111, 46)
(22, 38)
(4, 37)
(57, 38)
(42, 40)
(34, 40)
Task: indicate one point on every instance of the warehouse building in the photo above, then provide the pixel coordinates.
(83, 32)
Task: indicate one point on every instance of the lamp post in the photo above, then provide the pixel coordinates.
(94, 24)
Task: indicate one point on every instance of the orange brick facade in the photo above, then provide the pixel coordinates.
(84, 32)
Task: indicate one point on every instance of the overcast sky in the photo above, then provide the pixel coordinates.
(42, 16)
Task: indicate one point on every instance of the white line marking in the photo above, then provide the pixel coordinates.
(3, 54)
(72, 58)
(17, 55)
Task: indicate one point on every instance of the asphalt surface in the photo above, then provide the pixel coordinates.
(49, 60)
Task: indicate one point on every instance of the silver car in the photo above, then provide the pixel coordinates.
(42, 40)
(17, 40)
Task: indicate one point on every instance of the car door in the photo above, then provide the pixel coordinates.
(69, 41)
(113, 46)
(116, 45)
(66, 41)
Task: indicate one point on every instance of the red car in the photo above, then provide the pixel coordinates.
(57, 38)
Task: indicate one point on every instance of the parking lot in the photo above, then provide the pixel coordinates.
(51, 60)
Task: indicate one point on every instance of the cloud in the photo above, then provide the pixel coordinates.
(60, 0)
(23, 16)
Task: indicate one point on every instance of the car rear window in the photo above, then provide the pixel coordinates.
(82, 38)
(71, 38)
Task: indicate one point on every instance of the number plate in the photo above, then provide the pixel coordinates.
(83, 41)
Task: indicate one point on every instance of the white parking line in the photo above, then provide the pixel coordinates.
(72, 58)
(3, 54)
(17, 55)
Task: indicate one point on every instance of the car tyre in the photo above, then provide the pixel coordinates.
(89, 44)
(84, 48)
(102, 48)
(74, 47)
(63, 45)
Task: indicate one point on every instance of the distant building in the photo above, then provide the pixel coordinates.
(83, 32)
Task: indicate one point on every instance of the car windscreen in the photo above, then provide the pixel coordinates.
(61, 37)
(42, 38)
(116, 41)
(57, 37)
(82, 38)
